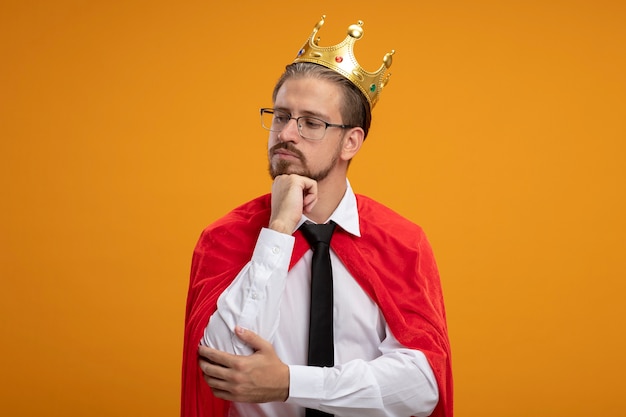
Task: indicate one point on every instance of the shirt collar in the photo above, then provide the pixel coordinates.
(345, 215)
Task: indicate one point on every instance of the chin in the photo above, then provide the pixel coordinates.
(284, 168)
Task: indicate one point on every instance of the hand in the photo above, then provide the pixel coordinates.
(258, 378)
(292, 195)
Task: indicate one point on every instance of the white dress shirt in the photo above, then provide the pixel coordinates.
(374, 375)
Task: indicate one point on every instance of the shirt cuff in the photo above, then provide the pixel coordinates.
(273, 247)
(306, 385)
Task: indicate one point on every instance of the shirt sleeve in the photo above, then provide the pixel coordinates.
(257, 288)
(398, 383)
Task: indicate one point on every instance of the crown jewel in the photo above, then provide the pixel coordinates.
(340, 58)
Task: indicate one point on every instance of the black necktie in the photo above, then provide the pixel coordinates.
(321, 352)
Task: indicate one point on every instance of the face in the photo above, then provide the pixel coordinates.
(288, 152)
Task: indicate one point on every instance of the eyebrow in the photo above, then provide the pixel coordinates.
(304, 113)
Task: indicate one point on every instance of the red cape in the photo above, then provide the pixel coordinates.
(392, 261)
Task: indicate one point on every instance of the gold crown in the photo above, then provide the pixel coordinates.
(340, 58)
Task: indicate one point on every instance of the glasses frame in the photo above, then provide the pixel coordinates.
(270, 110)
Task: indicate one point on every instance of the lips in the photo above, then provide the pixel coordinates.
(286, 150)
(283, 153)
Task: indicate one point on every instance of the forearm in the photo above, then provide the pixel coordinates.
(252, 300)
(399, 383)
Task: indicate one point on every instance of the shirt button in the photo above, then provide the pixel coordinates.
(254, 295)
(275, 250)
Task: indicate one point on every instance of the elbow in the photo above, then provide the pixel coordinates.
(422, 399)
(429, 400)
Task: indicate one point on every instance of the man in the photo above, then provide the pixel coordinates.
(250, 291)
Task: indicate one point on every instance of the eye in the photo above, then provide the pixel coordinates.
(313, 123)
(281, 118)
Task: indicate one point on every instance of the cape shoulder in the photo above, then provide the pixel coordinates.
(248, 216)
(389, 227)
(236, 232)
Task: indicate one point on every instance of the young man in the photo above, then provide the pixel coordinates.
(249, 301)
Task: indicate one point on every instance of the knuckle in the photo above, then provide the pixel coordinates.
(239, 366)
(237, 391)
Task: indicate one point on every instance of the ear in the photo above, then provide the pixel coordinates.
(352, 142)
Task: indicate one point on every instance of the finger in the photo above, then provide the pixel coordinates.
(310, 196)
(309, 202)
(308, 208)
(216, 357)
(215, 375)
(224, 395)
(219, 387)
(204, 351)
(309, 186)
(250, 338)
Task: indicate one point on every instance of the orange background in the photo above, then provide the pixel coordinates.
(127, 126)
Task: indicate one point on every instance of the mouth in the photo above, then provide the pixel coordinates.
(284, 154)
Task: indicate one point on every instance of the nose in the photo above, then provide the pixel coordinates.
(290, 132)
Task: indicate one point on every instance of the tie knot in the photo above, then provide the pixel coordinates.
(317, 233)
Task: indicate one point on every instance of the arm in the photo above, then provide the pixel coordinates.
(252, 300)
(398, 383)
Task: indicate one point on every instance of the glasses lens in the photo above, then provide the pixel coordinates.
(312, 128)
(267, 118)
(274, 120)
(308, 127)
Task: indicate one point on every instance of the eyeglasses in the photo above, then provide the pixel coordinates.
(309, 127)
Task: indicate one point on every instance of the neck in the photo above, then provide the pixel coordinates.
(330, 191)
